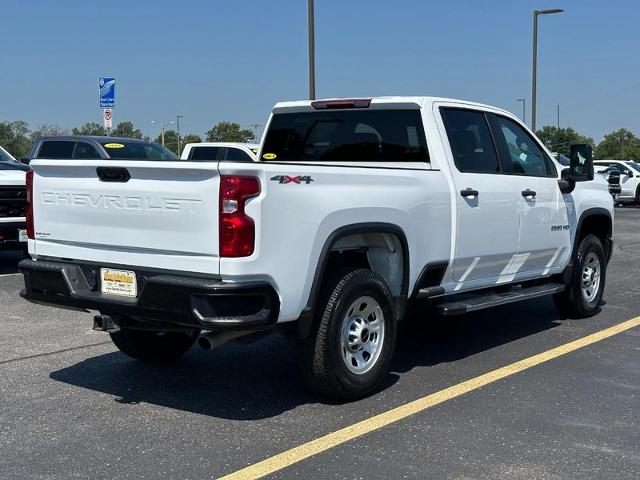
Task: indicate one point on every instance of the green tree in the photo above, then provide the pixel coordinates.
(90, 128)
(126, 130)
(229, 132)
(170, 140)
(620, 144)
(48, 130)
(560, 140)
(190, 138)
(16, 138)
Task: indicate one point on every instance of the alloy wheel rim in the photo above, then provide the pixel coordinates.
(590, 281)
(362, 335)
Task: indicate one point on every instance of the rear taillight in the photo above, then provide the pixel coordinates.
(237, 230)
(29, 207)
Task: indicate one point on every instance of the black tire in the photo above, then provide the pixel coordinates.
(572, 303)
(638, 195)
(320, 355)
(152, 346)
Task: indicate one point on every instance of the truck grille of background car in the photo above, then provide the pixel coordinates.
(13, 201)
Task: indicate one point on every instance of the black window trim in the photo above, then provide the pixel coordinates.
(504, 148)
(491, 134)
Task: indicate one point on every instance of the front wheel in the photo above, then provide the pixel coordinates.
(349, 349)
(582, 296)
(152, 346)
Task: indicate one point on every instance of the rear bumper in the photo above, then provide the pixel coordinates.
(9, 234)
(192, 302)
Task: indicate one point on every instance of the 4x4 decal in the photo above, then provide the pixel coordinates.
(299, 179)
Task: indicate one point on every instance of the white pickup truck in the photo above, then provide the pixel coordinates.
(355, 209)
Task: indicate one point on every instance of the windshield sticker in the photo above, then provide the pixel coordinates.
(113, 145)
(269, 156)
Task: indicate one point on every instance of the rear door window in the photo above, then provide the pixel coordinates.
(56, 149)
(470, 139)
(347, 135)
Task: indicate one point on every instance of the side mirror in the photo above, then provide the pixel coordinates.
(628, 173)
(581, 162)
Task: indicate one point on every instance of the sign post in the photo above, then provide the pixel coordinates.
(107, 99)
(107, 116)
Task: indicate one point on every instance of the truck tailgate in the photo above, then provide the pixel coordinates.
(157, 214)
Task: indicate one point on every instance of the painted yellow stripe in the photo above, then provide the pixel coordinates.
(319, 445)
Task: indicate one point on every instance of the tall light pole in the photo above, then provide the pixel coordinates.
(558, 107)
(312, 49)
(524, 109)
(534, 67)
(178, 117)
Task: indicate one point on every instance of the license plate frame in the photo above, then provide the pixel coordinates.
(121, 283)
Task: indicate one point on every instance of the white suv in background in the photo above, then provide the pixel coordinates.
(629, 178)
(220, 151)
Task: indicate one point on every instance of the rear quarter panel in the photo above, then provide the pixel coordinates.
(293, 220)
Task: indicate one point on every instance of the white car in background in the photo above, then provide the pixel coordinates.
(220, 151)
(13, 200)
(629, 178)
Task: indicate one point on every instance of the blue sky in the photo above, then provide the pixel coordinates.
(213, 60)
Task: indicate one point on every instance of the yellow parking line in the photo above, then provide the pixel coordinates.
(314, 447)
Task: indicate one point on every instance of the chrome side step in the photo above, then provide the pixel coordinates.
(471, 302)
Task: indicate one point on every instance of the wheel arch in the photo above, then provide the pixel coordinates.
(400, 300)
(597, 221)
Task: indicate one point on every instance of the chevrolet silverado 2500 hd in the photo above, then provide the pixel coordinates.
(354, 209)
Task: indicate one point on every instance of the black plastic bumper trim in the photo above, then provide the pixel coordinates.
(193, 302)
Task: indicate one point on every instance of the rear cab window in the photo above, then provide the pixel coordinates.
(137, 151)
(56, 149)
(358, 135)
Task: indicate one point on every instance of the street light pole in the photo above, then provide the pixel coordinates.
(534, 63)
(312, 49)
(524, 110)
(178, 117)
(558, 106)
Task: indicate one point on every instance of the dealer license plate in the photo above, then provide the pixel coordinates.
(118, 282)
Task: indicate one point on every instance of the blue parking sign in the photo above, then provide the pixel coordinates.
(107, 89)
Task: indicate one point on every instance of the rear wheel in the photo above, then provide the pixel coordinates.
(583, 295)
(638, 195)
(152, 346)
(349, 350)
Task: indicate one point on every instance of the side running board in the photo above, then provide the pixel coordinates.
(465, 303)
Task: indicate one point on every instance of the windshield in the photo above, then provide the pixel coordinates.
(13, 165)
(138, 150)
(347, 135)
(634, 165)
(4, 156)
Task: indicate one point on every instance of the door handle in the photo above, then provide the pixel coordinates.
(469, 192)
(528, 193)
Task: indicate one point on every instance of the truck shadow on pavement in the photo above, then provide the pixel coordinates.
(9, 261)
(250, 382)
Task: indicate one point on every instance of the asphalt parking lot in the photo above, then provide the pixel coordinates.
(71, 406)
